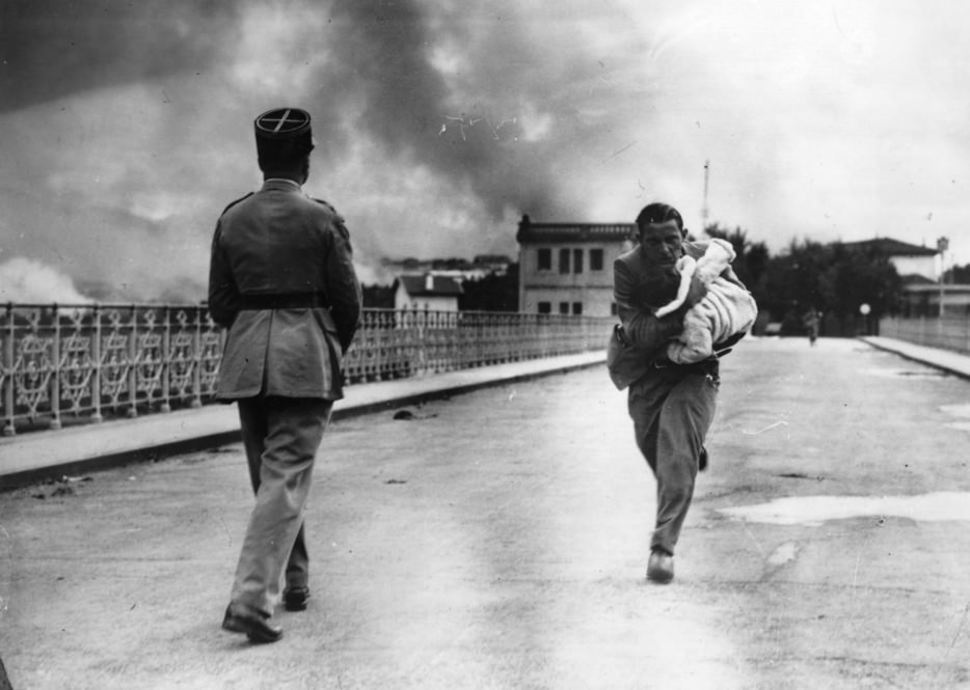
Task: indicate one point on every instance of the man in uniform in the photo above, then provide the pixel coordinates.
(672, 406)
(282, 280)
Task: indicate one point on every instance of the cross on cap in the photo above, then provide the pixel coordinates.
(283, 123)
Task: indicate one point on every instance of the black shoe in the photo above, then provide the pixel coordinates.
(702, 460)
(255, 625)
(295, 598)
(660, 567)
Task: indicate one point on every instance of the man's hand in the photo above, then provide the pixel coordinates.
(696, 293)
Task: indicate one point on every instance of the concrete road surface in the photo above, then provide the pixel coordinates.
(499, 540)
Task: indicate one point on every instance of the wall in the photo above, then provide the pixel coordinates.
(592, 288)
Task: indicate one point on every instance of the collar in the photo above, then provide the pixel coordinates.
(281, 183)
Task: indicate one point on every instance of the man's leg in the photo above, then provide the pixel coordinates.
(252, 417)
(294, 429)
(683, 423)
(298, 565)
(644, 402)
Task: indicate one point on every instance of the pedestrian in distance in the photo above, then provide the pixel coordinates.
(812, 321)
(282, 281)
(672, 405)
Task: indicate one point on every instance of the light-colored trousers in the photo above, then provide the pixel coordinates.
(281, 437)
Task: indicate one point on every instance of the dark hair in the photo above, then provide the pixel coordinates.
(281, 157)
(658, 212)
(658, 288)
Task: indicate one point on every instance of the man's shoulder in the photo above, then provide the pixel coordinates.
(236, 202)
(631, 258)
(326, 205)
(333, 217)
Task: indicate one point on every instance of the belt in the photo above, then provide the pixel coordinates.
(289, 300)
(705, 366)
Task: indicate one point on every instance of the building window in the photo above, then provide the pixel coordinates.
(613, 310)
(577, 308)
(596, 259)
(564, 261)
(564, 307)
(545, 260)
(577, 260)
(545, 307)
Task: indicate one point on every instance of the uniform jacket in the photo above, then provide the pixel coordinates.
(727, 309)
(279, 241)
(641, 338)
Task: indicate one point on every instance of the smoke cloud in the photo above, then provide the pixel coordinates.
(132, 128)
(26, 281)
(127, 126)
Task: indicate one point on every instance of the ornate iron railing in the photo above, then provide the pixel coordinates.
(70, 364)
(950, 332)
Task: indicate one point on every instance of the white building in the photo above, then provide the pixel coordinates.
(912, 262)
(567, 268)
(426, 292)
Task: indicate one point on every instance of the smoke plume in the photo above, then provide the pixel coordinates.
(26, 281)
(128, 127)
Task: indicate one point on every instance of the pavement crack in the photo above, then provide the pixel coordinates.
(956, 636)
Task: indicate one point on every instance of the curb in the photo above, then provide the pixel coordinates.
(922, 354)
(422, 390)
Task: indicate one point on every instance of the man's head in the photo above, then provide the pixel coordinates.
(284, 141)
(658, 288)
(661, 230)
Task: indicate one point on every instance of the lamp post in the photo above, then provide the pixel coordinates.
(942, 244)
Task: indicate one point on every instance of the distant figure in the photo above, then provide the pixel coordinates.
(282, 280)
(672, 405)
(811, 321)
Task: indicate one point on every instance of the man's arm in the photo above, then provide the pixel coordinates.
(641, 327)
(223, 294)
(343, 288)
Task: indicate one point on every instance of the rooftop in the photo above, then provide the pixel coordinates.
(441, 286)
(530, 232)
(890, 247)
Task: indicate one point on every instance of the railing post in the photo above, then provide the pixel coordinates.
(9, 428)
(197, 354)
(133, 364)
(166, 359)
(55, 389)
(96, 361)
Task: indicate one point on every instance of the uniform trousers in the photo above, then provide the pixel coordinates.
(281, 437)
(672, 408)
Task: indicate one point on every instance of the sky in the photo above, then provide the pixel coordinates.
(126, 128)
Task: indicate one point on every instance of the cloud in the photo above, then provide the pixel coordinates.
(26, 281)
(438, 123)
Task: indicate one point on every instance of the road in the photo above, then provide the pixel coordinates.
(498, 539)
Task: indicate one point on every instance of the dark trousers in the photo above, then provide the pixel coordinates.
(281, 437)
(672, 409)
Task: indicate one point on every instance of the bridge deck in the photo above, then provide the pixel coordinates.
(497, 539)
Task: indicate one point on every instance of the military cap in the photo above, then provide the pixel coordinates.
(282, 136)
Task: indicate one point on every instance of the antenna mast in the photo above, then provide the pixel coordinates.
(704, 209)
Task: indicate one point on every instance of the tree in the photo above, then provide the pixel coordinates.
(752, 257)
(857, 277)
(492, 293)
(378, 296)
(830, 278)
(957, 275)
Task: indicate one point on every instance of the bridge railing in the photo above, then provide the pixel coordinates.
(73, 364)
(950, 332)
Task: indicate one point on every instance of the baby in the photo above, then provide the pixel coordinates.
(726, 310)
